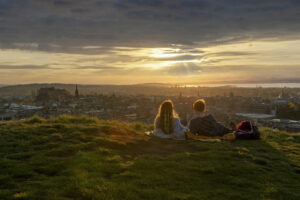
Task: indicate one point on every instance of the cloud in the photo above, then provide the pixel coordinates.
(148, 14)
(98, 67)
(62, 3)
(232, 53)
(183, 69)
(26, 67)
(80, 10)
(194, 4)
(178, 58)
(153, 3)
(150, 23)
(151, 38)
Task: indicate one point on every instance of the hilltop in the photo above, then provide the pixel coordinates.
(86, 158)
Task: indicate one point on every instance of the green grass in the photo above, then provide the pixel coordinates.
(86, 158)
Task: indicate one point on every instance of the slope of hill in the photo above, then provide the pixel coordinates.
(86, 158)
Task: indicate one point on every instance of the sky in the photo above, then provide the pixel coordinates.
(149, 41)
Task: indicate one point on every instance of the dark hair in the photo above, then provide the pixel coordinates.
(166, 116)
(199, 105)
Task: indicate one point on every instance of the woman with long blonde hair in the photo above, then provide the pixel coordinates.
(167, 123)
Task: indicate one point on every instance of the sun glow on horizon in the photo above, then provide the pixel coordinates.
(245, 60)
(164, 52)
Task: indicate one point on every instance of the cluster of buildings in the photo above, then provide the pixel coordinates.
(52, 102)
(15, 112)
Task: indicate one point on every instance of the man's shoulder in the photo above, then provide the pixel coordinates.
(195, 120)
(202, 119)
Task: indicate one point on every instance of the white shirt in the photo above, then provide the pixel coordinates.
(178, 130)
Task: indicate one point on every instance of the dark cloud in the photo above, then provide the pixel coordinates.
(194, 4)
(62, 3)
(144, 2)
(232, 53)
(6, 4)
(80, 10)
(147, 23)
(148, 14)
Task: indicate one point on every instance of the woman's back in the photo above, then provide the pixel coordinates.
(178, 130)
(167, 124)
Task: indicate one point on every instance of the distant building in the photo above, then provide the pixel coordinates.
(131, 117)
(284, 95)
(76, 92)
(51, 94)
(6, 115)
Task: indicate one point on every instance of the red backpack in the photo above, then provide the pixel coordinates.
(246, 130)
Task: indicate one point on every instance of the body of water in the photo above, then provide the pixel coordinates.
(251, 85)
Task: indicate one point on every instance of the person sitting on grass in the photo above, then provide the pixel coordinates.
(205, 125)
(167, 123)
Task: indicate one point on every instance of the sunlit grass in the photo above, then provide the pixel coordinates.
(86, 158)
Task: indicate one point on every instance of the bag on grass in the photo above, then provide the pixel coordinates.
(246, 130)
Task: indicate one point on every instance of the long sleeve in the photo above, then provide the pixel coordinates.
(182, 127)
(179, 129)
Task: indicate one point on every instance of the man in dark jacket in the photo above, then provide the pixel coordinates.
(203, 124)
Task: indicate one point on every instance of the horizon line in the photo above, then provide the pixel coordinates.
(237, 85)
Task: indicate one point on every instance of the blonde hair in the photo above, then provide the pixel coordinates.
(166, 115)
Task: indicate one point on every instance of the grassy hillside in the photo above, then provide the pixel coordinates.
(85, 158)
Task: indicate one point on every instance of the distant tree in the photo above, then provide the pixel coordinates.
(291, 105)
(288, 111)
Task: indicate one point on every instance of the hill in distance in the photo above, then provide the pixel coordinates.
(86, 158)
(146, 89)
(27, 89)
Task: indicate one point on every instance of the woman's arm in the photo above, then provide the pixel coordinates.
(179, 130)
(178, 126)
